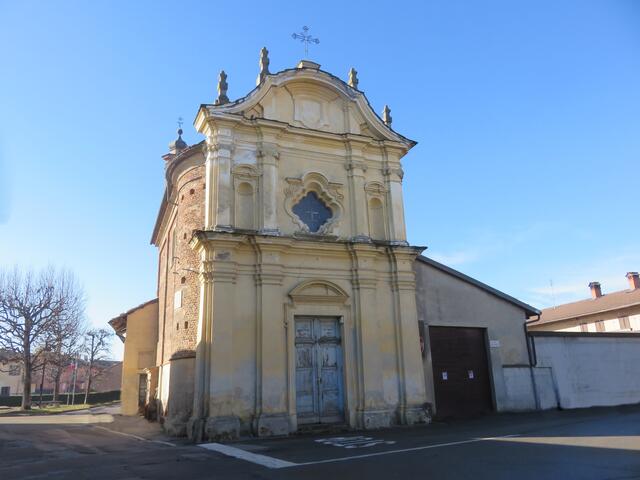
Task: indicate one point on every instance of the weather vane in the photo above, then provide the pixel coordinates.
(305, 38)
(180, 122)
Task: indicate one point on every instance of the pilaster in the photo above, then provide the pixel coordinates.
(371, 409)
(412, 392)
(269, 157)
(271, 347)
(195, 428)
(214, 395)
(219, 185)
(393, 174)
(356, 168)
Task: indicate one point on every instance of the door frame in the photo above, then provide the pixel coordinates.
(317, 388)
(334, 304)
(143, 378)
(486, 348)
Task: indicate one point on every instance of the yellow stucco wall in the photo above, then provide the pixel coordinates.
(249, 327)
(303, 131)
(139, 352)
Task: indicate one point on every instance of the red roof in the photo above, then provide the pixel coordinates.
(606, 303)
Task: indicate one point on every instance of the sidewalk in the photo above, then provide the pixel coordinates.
(134, 426)
(104, 417)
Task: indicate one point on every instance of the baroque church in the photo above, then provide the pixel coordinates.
(288, 294)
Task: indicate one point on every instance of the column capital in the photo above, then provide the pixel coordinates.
(212, 148)
(267, 152)
(391, 171)
(356, 167)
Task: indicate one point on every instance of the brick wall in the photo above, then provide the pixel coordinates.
(178, 267)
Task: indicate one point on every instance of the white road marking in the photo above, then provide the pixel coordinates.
(269, 462)
(142, 439)
(413, 449)
(354, 442)
(272, 462)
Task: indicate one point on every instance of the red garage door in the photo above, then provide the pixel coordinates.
(460, 371)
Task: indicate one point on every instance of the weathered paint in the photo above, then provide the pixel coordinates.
(591, 370)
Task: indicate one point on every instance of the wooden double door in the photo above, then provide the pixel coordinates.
(460, 371)
(319, 370)
(142, 389)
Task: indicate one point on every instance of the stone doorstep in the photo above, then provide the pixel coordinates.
(322, 428)
(303, 431)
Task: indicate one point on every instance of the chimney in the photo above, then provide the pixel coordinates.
(596, 291)
(634, 280)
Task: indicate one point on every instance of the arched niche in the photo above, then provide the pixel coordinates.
(376, 219)
(245, 215)
(245, 186)
(376, 210)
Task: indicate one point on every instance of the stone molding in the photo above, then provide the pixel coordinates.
(375, 188)
(318, 291)
(245, 171)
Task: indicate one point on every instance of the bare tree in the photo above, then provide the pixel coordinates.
(30, 304)
(65, 339)
(97, 344)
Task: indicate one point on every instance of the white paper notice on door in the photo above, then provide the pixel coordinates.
(445, 376)
(470, 373)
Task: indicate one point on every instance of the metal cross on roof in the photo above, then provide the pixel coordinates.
(180, 122)
(305, 38)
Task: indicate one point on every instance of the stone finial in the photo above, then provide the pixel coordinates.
(264, 65)
(386, 116)
(353, 78)
(222, 89)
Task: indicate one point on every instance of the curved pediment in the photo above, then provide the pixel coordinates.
(318, 291)
(313, 99)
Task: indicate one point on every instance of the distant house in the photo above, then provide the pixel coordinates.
(109, 377)
(611, 312)
(106, 377)
(11, 372)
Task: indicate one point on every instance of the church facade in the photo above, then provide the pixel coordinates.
(286, 284)
(288, 295)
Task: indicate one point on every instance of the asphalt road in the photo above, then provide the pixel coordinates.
(587, 444)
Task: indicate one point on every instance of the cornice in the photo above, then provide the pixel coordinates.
(280, 129)
(316, 244)
(316, 76)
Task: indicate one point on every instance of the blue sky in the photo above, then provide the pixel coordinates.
(527, 116)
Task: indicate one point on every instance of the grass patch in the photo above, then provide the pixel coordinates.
(50, 410)
(61, 408)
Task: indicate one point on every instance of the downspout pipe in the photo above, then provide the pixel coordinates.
(531, 344)
(533, 361)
